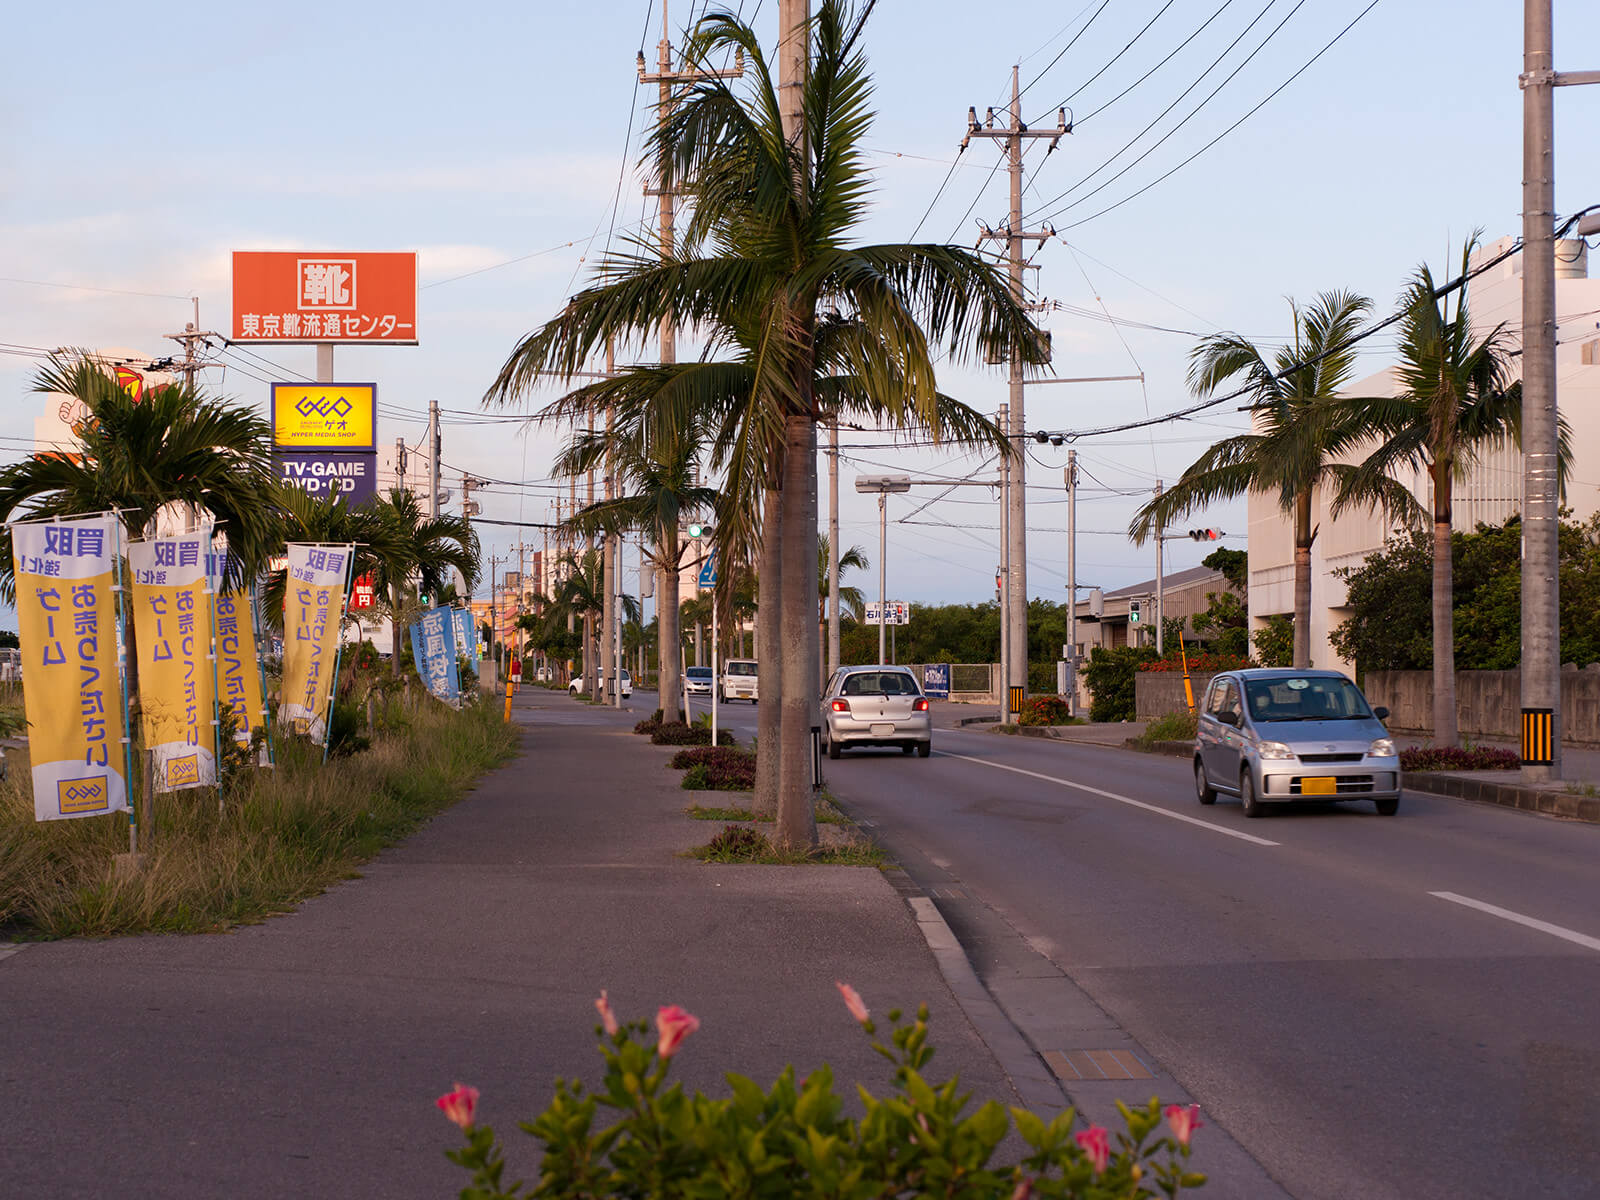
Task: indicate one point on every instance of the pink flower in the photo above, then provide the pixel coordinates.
(459, 1105)
(607, 1017)
(1024, 1190)
(1096, 1143)
(1183, 1121)
(674, 1024)
(852, 1001)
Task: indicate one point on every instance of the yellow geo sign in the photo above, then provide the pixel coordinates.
(324, 416)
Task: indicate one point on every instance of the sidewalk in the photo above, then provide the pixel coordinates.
(301, 1057)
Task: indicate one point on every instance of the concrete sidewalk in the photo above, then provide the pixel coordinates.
(301, 1057)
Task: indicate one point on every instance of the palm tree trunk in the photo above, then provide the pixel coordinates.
(1445, 732)
(769, 665)
(669, 650)
(796, 825)
(1302, 580)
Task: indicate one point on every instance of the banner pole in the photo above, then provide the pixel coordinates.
(261, 668)
(216, 684)
(338, 654)
(122, 671)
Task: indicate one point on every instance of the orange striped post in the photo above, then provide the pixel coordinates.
(1188, 685)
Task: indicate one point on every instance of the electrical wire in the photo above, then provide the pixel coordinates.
(1110, 62)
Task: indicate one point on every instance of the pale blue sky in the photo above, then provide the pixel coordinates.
(141, 145)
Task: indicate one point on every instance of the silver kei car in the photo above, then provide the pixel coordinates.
(875, 706)
(1276, 735)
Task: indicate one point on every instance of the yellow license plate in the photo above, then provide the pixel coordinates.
(1319, 785)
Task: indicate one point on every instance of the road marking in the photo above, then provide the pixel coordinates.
(1129, 800)
(1505, 914)
(7, 949)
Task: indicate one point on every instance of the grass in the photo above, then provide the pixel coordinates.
(1177, 726)
(741, 844)
(285, 835)
(826, 814)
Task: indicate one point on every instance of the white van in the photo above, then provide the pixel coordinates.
(740, 680)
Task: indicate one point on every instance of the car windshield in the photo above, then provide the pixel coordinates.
(1305, 698)
(699, 672)
(879, 683)
(742, 668)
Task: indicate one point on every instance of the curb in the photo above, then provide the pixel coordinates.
(1507, 795)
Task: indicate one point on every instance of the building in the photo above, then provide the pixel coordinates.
(1492, 489)
(1184, 594)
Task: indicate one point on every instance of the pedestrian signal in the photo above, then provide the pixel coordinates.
(1133, 612)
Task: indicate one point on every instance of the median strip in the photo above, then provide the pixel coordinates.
(1129, 800)
(1516, 918)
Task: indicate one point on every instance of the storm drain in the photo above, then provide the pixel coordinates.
(1073, 1065)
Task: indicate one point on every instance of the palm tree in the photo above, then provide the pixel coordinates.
(176, 445)
(330, 519)
(768, 249)
(851, 599)
(582, 591)
(1457, 399)
(420, 553)
(1297, 434)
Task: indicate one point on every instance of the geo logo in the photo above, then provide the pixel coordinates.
(181, 771)
(323, 407)
(82, 795)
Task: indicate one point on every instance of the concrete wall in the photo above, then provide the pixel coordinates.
(1488, 703)
(1156, 693)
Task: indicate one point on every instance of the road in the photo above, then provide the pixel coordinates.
(1373, 1007)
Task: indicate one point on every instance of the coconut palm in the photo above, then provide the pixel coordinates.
(175, 445)
(581, 592)
(768, 247)
(331, 520)
(419, 554)
(1297, 434)
(1457, 399)
(851, 599)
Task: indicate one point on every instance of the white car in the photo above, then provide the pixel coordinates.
(740, 680)
(697, 681)
(576, 686)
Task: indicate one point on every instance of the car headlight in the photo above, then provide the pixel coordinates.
(1382, 748)
(1274, 750)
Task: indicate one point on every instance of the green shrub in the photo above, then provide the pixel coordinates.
(718, 768)
(1109, 675)
(650, 724)
(679, 734)
(1452, 758)
(795, 1139)
(1177, 726)
(1045, 710)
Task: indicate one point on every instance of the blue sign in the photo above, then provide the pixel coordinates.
(466, 635)
(708, 573)
(936, 680)
(353, 474)
(433, 646)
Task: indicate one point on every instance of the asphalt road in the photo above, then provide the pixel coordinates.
(1373, 1007)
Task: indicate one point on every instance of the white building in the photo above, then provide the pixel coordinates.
(1492, 491)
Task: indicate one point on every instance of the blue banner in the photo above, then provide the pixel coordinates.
(433, 645)
(466, 635)
(936, 680)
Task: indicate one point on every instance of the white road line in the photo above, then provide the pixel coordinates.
(1129, 800)
(7, 949)
(1505, 914)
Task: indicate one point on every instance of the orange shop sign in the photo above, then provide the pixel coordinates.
(301, 296)
(362, 593)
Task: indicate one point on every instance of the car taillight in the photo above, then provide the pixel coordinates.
(841, 706)
(921, 705)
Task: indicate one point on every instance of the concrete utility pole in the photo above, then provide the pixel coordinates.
(1003, 576)
(1541, 595)
(833, 547)
(435, 440)
(1161, 645)
(192, 337)
(1016, 612)
(1072, 582)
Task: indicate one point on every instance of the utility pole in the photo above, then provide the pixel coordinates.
(1003, 576)
(1016, 610)
(1160, 639)
(833, 546)
(1072, 582)
(470, 509)
(192, 337)
(435, 440)
(1541, 595)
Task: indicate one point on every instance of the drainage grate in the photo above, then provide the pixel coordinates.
(1072, 1065)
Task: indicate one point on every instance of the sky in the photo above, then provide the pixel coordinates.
(501, 142)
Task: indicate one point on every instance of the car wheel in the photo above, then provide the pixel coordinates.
(1388, 808)
(1203, 790)
(833, 748)
(924, 749)
(907, 748)
(1247, 795)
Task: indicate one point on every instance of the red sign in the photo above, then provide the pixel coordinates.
(301, 296)
(362, 593)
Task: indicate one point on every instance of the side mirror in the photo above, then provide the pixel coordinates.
(1228, 717)
(1381, 713)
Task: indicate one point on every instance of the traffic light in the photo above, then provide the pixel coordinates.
(696, 530)
(1206, 535)
(1133, 611)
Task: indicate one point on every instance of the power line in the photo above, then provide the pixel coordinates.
(1110, 62)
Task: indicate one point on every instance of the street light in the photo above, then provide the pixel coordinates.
(882, 485)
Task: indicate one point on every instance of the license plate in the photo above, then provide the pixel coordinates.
(1319, 785)
(883, 730)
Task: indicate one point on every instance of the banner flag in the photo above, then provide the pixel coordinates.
(238, 661)
(466, 636)
(72, 691)
(433, 646)
(171, 595)
(312, 598)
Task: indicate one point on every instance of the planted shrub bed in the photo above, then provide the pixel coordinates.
(716, 768)
(1454, 758)
(679, 734)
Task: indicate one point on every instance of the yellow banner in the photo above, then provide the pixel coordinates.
(324, 416)
(171, 600)
(313, 596)
(72, 687)
(238, 673)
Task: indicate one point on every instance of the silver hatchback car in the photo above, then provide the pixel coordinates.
(876, 706)
(1275, 735)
